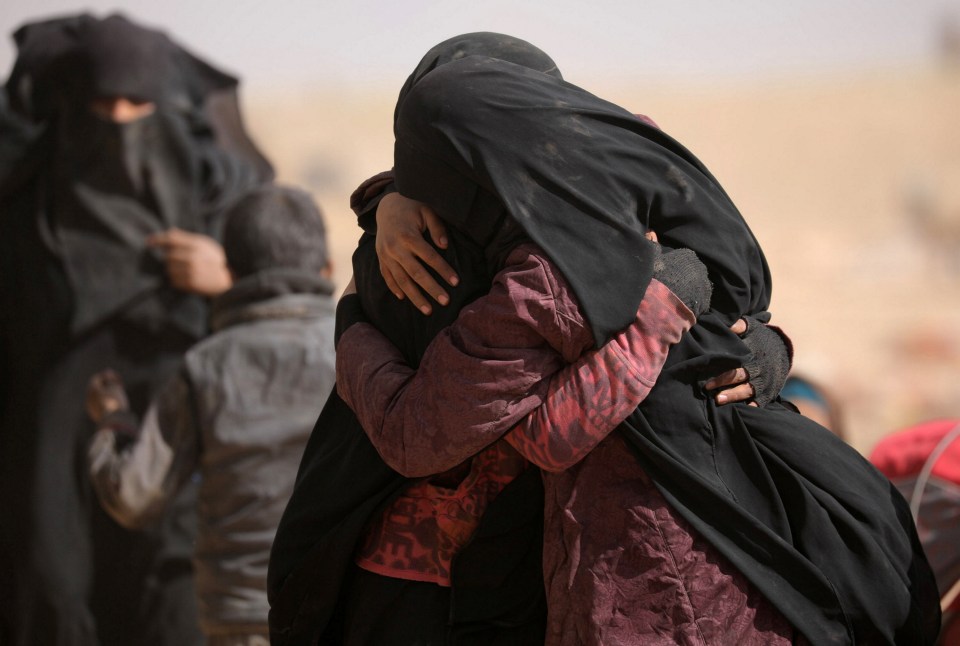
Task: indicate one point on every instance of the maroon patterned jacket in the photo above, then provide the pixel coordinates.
(620, 566)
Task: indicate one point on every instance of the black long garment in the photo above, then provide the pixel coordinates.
(497, 594)
(805, 517)
(79, 292)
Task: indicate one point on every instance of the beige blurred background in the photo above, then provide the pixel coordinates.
(834, 126)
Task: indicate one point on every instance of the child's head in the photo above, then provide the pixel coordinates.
(275, 227)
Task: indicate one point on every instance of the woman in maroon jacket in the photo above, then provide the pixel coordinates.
(778, 497)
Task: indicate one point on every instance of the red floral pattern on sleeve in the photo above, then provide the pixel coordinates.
(471, 387)
(418, 535)
(477, 379)
(588, 399)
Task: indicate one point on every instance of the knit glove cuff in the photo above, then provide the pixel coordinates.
(684, 275)
(770, 360)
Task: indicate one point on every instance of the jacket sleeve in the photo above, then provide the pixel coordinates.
(366, 198)
(586, 400)
(477, 379)
(136, 470)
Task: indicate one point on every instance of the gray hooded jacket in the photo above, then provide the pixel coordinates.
(237, 416)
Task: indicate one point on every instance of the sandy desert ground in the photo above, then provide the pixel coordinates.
(851, 184)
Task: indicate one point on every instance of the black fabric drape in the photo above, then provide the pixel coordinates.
(805, 518)
(80, 292)
(802, 515)
(585, 179)
(101, 187)
(342, 483)
(480, 43)
(813, 526)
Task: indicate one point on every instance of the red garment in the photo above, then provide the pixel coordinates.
(904, 453)
(418, 535)
(421, 531)
(621, 567)
(507, 354)
(923, 461)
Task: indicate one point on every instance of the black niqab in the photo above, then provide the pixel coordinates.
(104, 187)
(80, 292)
(69, 61)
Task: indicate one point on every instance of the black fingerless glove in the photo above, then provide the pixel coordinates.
(683, 273)
(769, 363)
(349, 311)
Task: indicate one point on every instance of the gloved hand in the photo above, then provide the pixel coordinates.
(769, 365)
(105, 395)
(684, 275)
(107, 404)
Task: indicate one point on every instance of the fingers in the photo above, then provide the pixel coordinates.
(743, 392)
(728, 378)
(167, 239)
(177, 246)
(158, 240)
(408, 285)
(391, 283)
(436, 227)
(432, 258)
(739, 327)
(195, 263)
(732, 386)
(183, 245)
(401, 263)
(105, 395)
(180, 244)
(420, 253)
(405, 254)
(651, 236)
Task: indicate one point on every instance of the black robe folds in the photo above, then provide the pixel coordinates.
(80, 292)
(803, 515)
(807, 520)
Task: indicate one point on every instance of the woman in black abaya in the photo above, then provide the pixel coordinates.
(809, 522)
(121, 134)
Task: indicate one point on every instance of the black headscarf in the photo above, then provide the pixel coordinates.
(102, 187)
(819, 531)
(72, 60)
(481, 43)
(585, 179)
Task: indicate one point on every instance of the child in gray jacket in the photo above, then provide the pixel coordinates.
(238, 413)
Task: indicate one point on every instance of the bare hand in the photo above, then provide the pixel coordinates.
(105, 395)
(195, 263)
(403, 252)
(733, 385)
